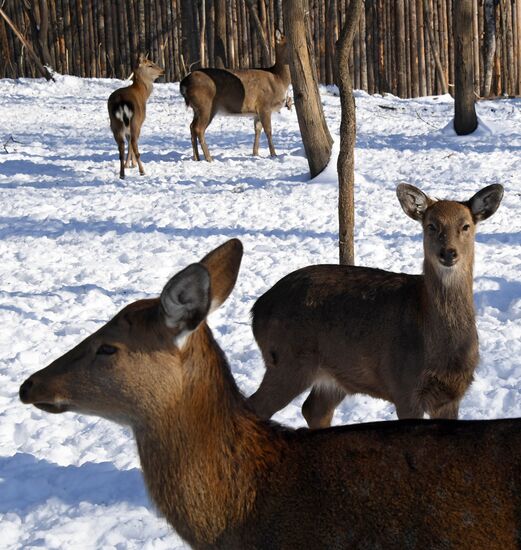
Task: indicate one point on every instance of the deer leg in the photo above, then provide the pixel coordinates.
(265, 118)
(133, 144)
(120, 140)
(408, 410)
(278, 388)
(200, 123)
(320, 405)
(204, 147)
(193, 135)
(130, 155)
(439, 399)
(449, 410)
(257, 124)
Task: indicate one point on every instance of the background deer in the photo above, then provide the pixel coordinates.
(256, 92)
(226, 479)
(127, 110)
(408, 339)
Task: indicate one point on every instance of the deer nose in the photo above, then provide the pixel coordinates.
(448, 256)
(25, 388)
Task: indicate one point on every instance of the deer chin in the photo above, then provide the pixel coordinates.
(448, 264)
(54, 408)
(451, 274)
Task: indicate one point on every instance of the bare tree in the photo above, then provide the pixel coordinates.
(465, 119)
(202, 34)
(190, 31)
(260, 32)
(434, 45)
(313, 127)
(346, 156)
(42, 68)
(490, 45)
(221, 58)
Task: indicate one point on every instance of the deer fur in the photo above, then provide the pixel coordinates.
(408, 339)
(226, 479)
(256, 92)
(127, 110)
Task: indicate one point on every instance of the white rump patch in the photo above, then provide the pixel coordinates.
(123, 110)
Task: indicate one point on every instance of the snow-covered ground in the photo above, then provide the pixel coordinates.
(77, 244)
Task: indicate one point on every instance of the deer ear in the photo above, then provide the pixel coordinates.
(485, 202)
(185, 300)
(223, 265)
(414, 202)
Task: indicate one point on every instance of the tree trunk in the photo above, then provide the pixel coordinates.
(401, 57)
(266, 58)
(490, 45)
(465, 119)
(313, 128)
(189, 40)
(346, 157)
(44, 70)
(202, 35)
(434, 48)
(221, 60)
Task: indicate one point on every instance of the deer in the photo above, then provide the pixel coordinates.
(225, 478)
(408, 339)
(256, 92)
(127, 110)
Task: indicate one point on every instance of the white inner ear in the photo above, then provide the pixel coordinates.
(173, 311)
(181, 338)
(215, 304)
(480, 205)
(422, 203)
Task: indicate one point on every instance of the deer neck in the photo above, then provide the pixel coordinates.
(204, 455)
(449, 305)
(282, 71)
(144, 85)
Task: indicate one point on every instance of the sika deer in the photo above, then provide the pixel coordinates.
(408, 339)
(256, 92)
(127, 109)
(226, 479)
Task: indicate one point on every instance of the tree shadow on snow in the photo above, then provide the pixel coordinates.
(502, 298)
(436, 140)
(27, 482)
(31, 168)
(53, 228)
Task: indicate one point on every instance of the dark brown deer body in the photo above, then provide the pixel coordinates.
(226, 479)
(127, 110)
(409, 339)
(256, 92)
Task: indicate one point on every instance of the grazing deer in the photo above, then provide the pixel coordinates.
(127, 109)
(226, 479)
(408, 339)
(256, 92)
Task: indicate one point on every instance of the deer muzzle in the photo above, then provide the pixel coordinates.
(448, 257)
(34, 392)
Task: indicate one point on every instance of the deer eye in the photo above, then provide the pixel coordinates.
(105, 349)
(431, 227)
(466, 227)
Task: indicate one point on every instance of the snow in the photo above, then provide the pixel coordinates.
(77, 244)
